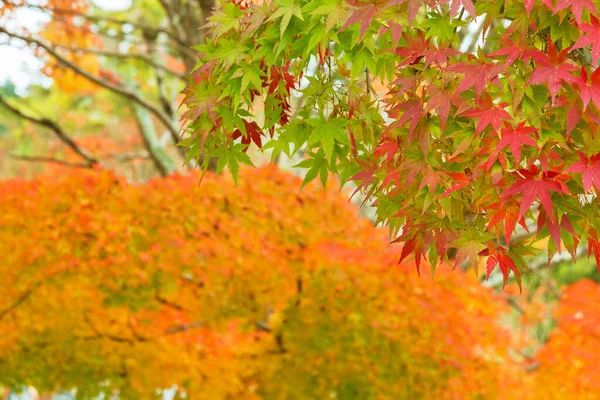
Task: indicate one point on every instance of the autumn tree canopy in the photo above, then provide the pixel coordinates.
(471, 126)
(254, 291)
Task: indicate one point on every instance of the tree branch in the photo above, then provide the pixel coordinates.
(50, 160)
(20, 300)
(115, 54)
(135, 97)
(66, 139)
(100, 18)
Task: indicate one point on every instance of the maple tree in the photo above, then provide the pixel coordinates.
(471, 141)
(248, 291)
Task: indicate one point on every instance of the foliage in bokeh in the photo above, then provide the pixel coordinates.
(238, 292)
(572, 349)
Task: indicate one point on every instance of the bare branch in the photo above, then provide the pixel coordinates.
(58, 131)
(128, 157)
(183, 328)
(115, 54)
(20, 300)
(50, 160)
(135, 97)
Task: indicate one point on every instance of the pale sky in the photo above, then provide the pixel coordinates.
(18, 63)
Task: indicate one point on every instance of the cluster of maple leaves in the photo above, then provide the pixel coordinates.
(468, 148)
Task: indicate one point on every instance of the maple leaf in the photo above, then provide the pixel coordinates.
(512, 51)
(405, 84)
(253, 134)
(516, 138)
(488, 113)
(589, 89)
(552, 226)
(413, 7)
(429, 177)
(365, 177)
(364, 14)
(422, 135)
(413, 113)
(440, 101)
(532, 184)
(592, 38)
(498, 255)
(468, 247)
(413, 243)
(394, 28)
(456, 5)
(594, 247)
(461, 180)
(388, 146)
(439, 55)
(590, 170)
(509, 213)
(554, 68)
(477, 75)
(415, 49)
(576, 6)
(573, 118)
(529, 5)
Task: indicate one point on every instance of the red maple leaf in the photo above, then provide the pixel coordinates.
(388, 146)
(413, 113)
(456, 5)
(529, 5)
(554, 68)
(552, 225)
(516, 138)
(413, 242)
(594, 247)
(403, 84)
(573, 117)
(365, 176)
(253, 134)
(460, 181)
(439, 55)
(488, 113)
(589, 89)
(415, 49)
(577, 7)
(590, 170)
(365, 13)
(477, 75)
(512, 51)
(509, 213)
(592, 38)
(429, 177)
(532, 184)
(394, 28)
(498, 255)
(440, 101)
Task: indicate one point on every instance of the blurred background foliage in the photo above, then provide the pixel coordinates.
(111, 98)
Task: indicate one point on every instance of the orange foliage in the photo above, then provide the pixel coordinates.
(255, 291)
(70, 35)
(569, 361)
